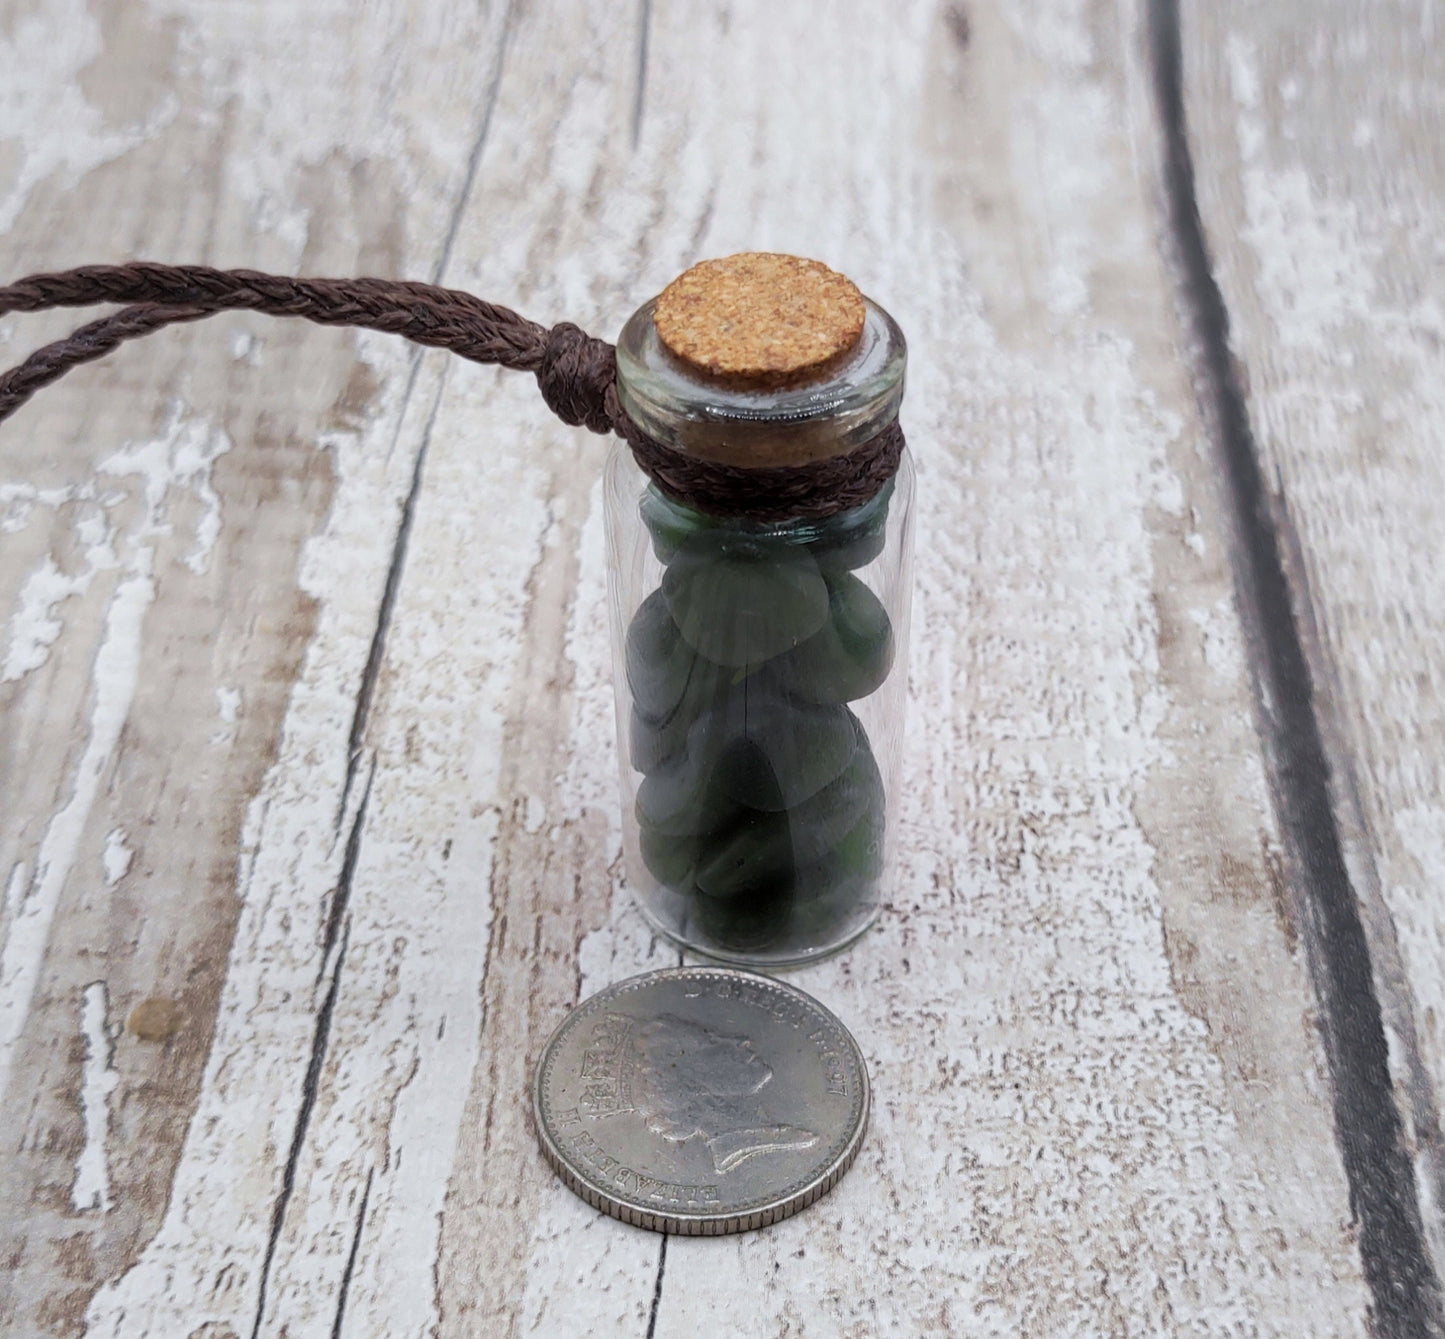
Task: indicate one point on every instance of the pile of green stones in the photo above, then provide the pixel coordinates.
(761, 804)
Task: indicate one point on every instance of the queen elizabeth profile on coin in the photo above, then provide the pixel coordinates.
(700, 1100)
(691, 1082)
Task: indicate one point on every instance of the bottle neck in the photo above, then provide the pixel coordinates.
(799, 425)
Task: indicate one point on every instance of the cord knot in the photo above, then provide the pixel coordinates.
(575, 375)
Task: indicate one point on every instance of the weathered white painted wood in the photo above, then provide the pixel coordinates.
(1100, 1108)
(483, 1271)
(175, 526)
(1087, 919)
(1322, 188)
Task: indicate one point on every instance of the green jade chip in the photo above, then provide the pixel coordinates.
(853, 864)
(755, 904)
(761, 753)
(650, 746)
(850, 655)
(716, 694)
(824, 822)
(741, 608)
(669, 859)
(763, 847)
(677, 529)
(671, 685)
(754, 854)
(670, 524)
(838, 889)
(756, 920)
(781, 752)
(678, 800)
(854, 538)
(730, 809)
(660, 665)
(839, 543)
(815, 918)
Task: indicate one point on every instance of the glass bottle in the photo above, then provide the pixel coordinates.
(760, 665)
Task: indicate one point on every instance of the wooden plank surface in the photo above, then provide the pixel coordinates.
(175, 530)
(1322, 188)
(363, 831)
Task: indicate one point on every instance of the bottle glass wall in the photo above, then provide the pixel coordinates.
(760, 666)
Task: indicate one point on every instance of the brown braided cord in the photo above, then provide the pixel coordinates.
(809, 492)
(444, 318)
(83, 346)
(575, 372)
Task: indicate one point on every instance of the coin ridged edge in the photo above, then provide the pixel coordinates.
(700, 1225)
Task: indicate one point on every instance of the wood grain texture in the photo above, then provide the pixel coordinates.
(164, 576)
(1322, 185)
(1100, 1099)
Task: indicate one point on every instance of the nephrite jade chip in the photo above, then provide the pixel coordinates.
(659, 663)
(739, 610)
(852, 539)
(761, 798)
(676, 800)
(765, 847)
(755, 920)
(778, 753)
(766, 755)
(840, 543)
(850, 655)
(854, 863)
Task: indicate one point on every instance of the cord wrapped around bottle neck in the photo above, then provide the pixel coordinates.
(576, 373)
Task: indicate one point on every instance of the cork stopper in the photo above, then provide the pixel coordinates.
(759, 320)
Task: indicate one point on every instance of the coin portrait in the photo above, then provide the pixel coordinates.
(696, 1083)
(701, 1100)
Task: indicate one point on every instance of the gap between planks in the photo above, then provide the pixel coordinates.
(1383, 1192)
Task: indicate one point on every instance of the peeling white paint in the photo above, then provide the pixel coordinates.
(245, 347)
(228, 703)
(15, 888)
(181, 456)
(42, 56)
(17, 504)
(116, 857)
(1219, 633)
(1243, 72)
(116, 664)
(308, 104)
(25, 493)
(91, 1187)
(1316, 262)
(35, 624)
(225, 1184)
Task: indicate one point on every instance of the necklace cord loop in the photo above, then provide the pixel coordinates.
(576, 373)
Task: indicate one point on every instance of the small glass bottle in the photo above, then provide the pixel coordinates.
(760, 664)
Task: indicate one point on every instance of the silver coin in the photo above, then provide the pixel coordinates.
(701, 1100)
